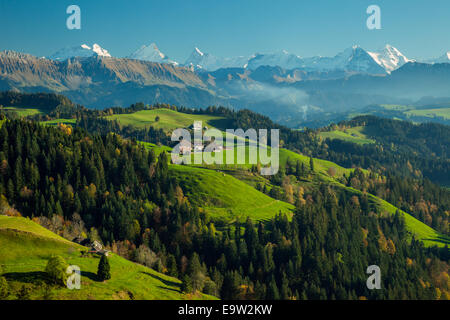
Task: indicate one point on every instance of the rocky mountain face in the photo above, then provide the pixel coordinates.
(96, 79)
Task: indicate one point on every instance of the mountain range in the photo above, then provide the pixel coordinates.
(290, 89)
(354, 59)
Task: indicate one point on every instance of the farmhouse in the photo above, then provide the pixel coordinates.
(96, 247)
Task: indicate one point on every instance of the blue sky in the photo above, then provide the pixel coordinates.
(420, 29)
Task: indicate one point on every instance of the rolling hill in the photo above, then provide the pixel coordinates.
(355, 135)
(168, 119)
(26, 246)
(226, 198)
(187, 213)
(225, 193)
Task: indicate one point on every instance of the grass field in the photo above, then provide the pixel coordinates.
(355, 135)
(416, 114)
(25, 248)
(321, 166)
(224, 197)
(169, 119)
(58, 121)
(156, 149)
(430, 113)
(395, 107)
(22, 112)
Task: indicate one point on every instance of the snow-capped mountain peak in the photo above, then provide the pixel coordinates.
(352, 59)
(151, 53)
(80, 51)
(100, 51)
(390, 58)
(199, 60)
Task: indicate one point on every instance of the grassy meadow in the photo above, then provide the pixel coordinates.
(25, 248)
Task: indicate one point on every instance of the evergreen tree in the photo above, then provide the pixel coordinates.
(272, 291)
(172, 266)
(186, 284)
(195, 273)
(103, 272)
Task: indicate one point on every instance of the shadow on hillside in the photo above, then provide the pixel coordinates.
(441, 239)
(89, 275)
(27, 277)
(171, 289)
(166, 282)
(221, 124)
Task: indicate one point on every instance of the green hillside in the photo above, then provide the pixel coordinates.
(58, 121)
(430, 113)
(207, 188)
(156, 149)
(225, 197)
(355, 135)
(285, 155)
(210, 184)
(195, 216)
(416, 228)
(22, 111)
(416, 114)
(168, 119)
(25, 248)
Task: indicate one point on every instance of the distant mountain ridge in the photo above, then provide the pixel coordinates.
(205, 61)
(80, 51)
(354, 59)
(289, 96)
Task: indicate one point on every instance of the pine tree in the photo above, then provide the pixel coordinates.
(298, 169)
(230, 286)
(195, 273)
(103, 272)
(186, 284)
(172, 266)
(272, 291)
